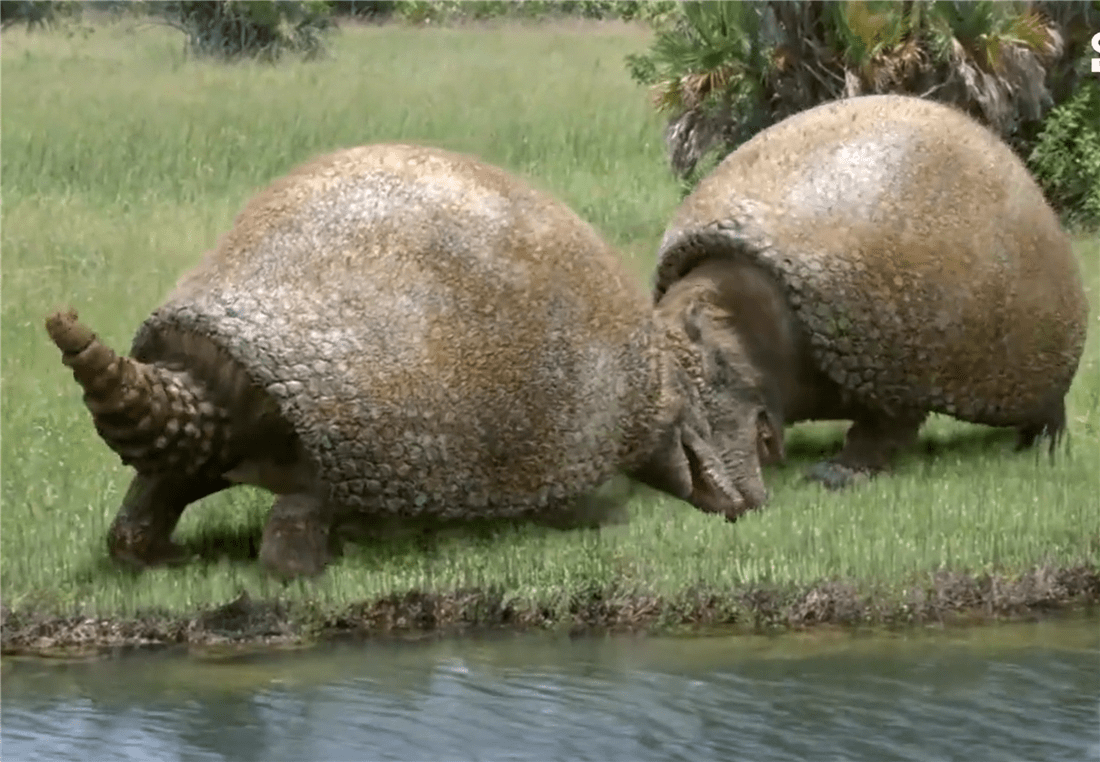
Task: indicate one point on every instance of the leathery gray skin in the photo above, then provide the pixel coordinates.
(396, 332)
(881, 258)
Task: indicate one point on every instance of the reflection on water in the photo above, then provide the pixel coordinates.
(1011, 692)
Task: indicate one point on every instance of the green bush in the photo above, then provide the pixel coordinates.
(363, 9)
(1066, 160)
(721, 71)
(230, 29)
(36, 13)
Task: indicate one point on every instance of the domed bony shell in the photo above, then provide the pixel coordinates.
(399, 333)
(416, 316)
(919, 257)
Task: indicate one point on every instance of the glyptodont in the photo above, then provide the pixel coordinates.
(877, 259)
(400, 331)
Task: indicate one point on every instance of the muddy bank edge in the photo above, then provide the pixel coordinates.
(945, 598)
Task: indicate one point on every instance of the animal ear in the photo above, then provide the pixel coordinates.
(693, 320)
(769, 439)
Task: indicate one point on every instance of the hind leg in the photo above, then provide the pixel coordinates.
(298, 538)
(1051, 424)
(141, 533)
(870, 445)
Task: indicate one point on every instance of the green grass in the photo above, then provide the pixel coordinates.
(122, 163)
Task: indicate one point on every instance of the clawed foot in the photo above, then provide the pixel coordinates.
(138, 556)
(139, 536)
(871, 442)
(836, 476)
(294, 549)
(297, 541)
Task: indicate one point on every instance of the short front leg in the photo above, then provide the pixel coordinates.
(141, 533)
(298, 537)
(870, 445)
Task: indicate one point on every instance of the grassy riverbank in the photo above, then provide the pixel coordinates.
(123, 162)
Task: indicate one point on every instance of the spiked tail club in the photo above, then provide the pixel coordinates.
(156, 419)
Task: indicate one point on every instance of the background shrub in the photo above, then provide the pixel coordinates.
(264, 29)
(1066, 159)
(36, 14)
(722, 71)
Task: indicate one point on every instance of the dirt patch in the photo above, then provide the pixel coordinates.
(946, 597)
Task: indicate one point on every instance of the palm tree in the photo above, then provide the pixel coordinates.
(724, 70)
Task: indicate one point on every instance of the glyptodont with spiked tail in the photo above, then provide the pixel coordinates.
(400, 331)
(880, 258)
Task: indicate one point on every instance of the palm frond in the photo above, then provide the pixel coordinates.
(721, 70)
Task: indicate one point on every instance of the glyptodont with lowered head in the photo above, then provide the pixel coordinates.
(398, 331)
(878, 259)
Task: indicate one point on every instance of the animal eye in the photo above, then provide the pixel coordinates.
(765, 440)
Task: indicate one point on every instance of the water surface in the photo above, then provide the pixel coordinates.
(1006, 692)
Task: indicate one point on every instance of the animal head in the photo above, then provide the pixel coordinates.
(723, 430)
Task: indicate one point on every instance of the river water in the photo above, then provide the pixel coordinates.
(1003, 692)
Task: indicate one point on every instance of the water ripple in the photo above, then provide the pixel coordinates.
(540, 700)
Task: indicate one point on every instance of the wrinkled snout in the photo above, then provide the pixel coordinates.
(731, 490)
(687, 466)
(732, 503)
(753, 493)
